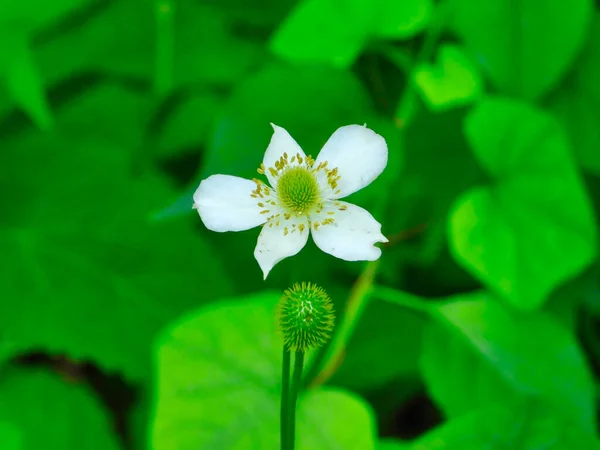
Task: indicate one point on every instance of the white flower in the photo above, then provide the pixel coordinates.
(302, 199)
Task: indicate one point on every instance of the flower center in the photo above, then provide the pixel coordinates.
(298, 190)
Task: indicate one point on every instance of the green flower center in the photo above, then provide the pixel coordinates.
(298, 190)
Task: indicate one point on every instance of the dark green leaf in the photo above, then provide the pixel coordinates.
(577, 103)
(387, 340)
(52, 413)
(90, 275)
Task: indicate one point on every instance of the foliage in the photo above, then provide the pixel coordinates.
(125, 324)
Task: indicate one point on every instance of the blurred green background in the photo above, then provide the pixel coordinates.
(125, 324)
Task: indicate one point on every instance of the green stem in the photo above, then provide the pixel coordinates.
(296, 387)
(285, 399)
(356, 304)
(165, 43)
(324, 368)
(400, 298)
(408, 101)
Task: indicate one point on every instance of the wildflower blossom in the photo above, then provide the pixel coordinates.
(302, 198)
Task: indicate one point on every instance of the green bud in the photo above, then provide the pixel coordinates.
(305, 317)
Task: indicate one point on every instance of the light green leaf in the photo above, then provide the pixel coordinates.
(87, 266)
(393, 444)
(531, 427)
(10, 437)
(510, 39)
(219, 383)
(458, 378)
(452, 81)
(513, 234)
(577, 103)
(52, 413)
(317, 31)
(401, 19)
(335, 32)
(487, 354)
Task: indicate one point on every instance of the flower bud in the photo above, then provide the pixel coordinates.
(305, 317)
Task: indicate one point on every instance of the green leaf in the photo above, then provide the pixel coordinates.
(337, 43)
(259, 14)
(531, 427)
(424, 191)
(458, 378)
(487, 354)
(205, 50)
(10, 437)
(53, 414)
(510, 39)
(387, 341)
(33, 15)
(189, 125)
(219, 384)
(87, 266)
(453, 81)
(393, 444)
(19, 74)
(513, 234)
(577, 103)
(19, 23)
(401, 19)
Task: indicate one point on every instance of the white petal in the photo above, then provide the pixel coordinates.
(273, 245)
(281, 142)
(360, 155)
(352, 234)
(224, 204)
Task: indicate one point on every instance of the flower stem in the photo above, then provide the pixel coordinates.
(285, 399)
(324, 367)
(296, 387)
(401, 298)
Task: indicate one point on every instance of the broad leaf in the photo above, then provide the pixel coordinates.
(577, 103)
(480, 353)
(387, 340)
(10, 437)
(19, 76)
(513, 234)
(452, 81)
(52, 413)
(219, 384)
(510, 39)
(335, 33)
(90, 276)
(531, 427)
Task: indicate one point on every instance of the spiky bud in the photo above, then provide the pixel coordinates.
(305, 317)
